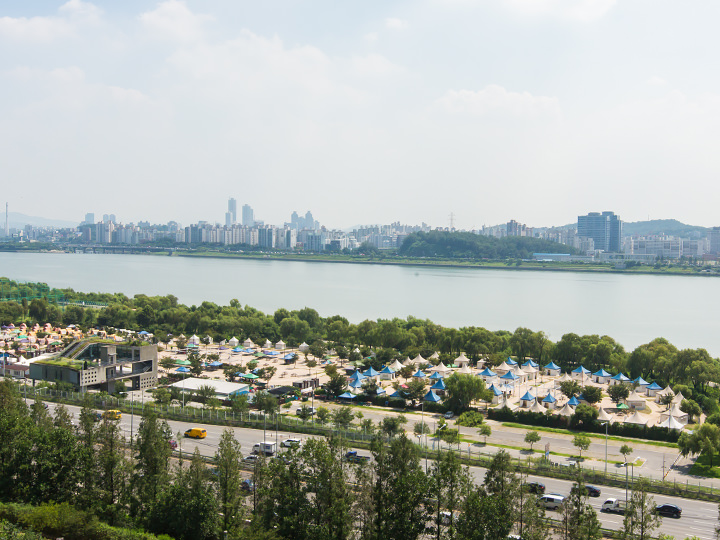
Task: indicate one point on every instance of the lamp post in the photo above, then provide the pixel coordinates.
(606, 444)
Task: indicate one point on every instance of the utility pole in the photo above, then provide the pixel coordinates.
(452, 221)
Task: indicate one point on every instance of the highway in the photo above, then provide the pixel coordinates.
(698, 519)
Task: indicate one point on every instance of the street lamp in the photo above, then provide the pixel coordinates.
(606, 443)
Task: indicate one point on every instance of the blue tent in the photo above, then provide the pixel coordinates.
(620, 377)
(370, 372)
(271, 353)
(397, 394)
(431, 397)
(387, 370)
(552, 366)
(143, 333)
(510, 376)
(487, 372)
(380, 391)
(495, 390)
(215, 364)
(601, 373)
(530, 363)
(573, 402)
(238, 349)
(357, 376)
(357, 383)
(437, 375)
(641, 382)
(527, 397)
(582, 370)
(549, 399)
(419, 374)
(183, 370)
(654, 386)
(511, 362)
(347, 395)
(439, 385)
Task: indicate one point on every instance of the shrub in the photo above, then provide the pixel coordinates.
(470, 419)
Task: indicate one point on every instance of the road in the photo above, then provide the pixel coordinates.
(698, 519)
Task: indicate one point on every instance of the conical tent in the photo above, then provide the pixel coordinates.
(431, 397)
(564, 377)
(536, 407)
(487, 372)
(462, 359)
(436, 375)
(419, 374)
(441, 368)
(567, 410)
(503, 367)
(573, 402)
(671, 423)
(396, 366)
(419, 360)
(603, 416)
(637, 419)
(465, 370)
(439, 385)
(678, 398)
(434, 356)
(280, 345)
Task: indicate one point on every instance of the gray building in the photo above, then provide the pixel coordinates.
(232, 210)
(99, 365)
(605, 230)
(248, 216)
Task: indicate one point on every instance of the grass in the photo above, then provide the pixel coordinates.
(591, 435)
(702, 467)
(63, 362)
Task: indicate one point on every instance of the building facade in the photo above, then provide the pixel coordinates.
(605, 229)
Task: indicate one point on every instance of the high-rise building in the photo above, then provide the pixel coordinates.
(605, 230)
(714, 240)
(248, 216)
(232, 210)
(90, 218)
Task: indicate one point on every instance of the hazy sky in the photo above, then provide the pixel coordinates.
(362, 112)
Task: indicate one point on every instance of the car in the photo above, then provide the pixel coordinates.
(112, 414)
(252, 458)
(247, 485)
(553, 501)
(291, 443)
(668, 510)
(448, 415)
(535, 487)
(592, 491)
(311, 410)
(196, 433)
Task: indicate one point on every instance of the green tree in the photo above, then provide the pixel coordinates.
(162, 396)
(392, 425)
(691, 408)
(196, 367)
(335, 385)
(152, 460)
(626, 450)
(323, 415)
(579, 520)
(640, 519)
(304, 413)
(342, 417)
(592, 394)
(449, 480)
(114, 470)
(532, 437)
(462, 390)
(703, 440)
(399, 491)
(570, 388)
(227, 460)
(205, 392)
(239, 403)
(584, 415)
(618, 392)
(582, 443)
(416, 390)
(421, 428)
(485, 431)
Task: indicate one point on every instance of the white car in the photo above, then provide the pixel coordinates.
(448, 415)
(291, 443)
(252, 458)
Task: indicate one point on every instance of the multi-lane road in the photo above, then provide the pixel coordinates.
(698, 518)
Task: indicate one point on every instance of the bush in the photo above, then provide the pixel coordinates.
(470, 419)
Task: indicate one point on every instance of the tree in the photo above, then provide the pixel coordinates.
(392, 425)
(626, 450)
(570, 388)
(342, 417)
(323, 415)
(153, 455)
(406, 372)
(239, 403)
(114, 470)
(584, 415)
(167, 362)
(462, 390)
(336, 385)
(399, 491)
(531, 437)
(196, 367)
(266, 402)
(421, 428)
(582, 443)
(640, 518)
(579, 520)
(691, 408)
(703, 440)
(162, 396)
(448, 481)
(618, 392)
(485, 431)
(667, 399)
(592, 394)
(304, 413)
(227, 460)
(415, 390)
(205, 392)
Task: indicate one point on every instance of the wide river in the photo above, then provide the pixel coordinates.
(633, 309)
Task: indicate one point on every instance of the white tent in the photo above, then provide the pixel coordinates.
(536, 407)
(441, 368)
(676, 413)
(503, 368)
(567, 410)
(462, 360)
(419, 360)
(408, 362)
(465, 370)
(396, 366)
(603, 416)
(530, 372)
(635, 400)
(268, 344)
(234, 342)
(637, 419)
(194, 340)
(248, 344)
(678, 398)
(280, 345)
(564, 377)
(304, 347)
(671, 423)
(435, 356)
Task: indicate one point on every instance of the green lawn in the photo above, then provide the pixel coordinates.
(702, 466)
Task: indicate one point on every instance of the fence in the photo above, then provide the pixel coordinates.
(361, 439)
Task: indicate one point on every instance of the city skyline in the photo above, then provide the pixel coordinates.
(487, 110)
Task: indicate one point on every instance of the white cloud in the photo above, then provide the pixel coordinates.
(395, 24)
(656, 81)
(578, 10)
(45, 29)
(173, 20)
(371, 37)
(496, 99)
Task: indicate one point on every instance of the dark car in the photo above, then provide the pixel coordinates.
(535, 487)
(592, 491)
(668, 510)
(247, 485)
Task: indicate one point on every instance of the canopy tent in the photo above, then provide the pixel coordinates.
(370, 372)
(527, 397)
(573, 402)
(441, 369)
(504, 367)
(419, 360)
(216, 363)
(678, 398)
(304, 347)
(622, 406)
(462, 360)
(434, 356)
(531, 363)
(268, 344)
(439, 385)
(347, 395)
(580, 370)
(495, 390)
(432, 397)
(234, 342)
(396, 366)
(280, 345)
(289, 356)
(419, 374)
(436, 375)
(641, 382)
(619, 378)
(250, 376)
(552, 368)
(238, 349)
(356, 384)
(183, 362)
(183, 370)
(637, 419)
(408, 362)
(511, 362)
(357, 376)
(465, 370)
(509, 376)
(396, 394)
(671, 423)
(549, 399)
(536, 407)
(603, 416)
(567, 410)
(387, 370)
(487, 372)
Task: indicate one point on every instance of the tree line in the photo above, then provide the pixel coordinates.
(308, 492)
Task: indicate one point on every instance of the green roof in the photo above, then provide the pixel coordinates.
(249, 376)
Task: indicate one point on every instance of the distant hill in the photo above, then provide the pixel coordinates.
(18, 221)
(473, 246)
(670, 227)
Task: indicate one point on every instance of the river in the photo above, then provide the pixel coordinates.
(633, 309)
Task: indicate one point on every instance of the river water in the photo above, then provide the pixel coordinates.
(633, 309)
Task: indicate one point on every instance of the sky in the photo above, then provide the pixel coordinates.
(362, 112)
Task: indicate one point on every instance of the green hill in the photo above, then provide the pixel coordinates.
(465, 245)
(670, 227)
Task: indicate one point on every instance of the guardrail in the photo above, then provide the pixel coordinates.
(362, 439)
